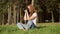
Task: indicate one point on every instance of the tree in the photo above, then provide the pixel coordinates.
(9, 13)
(14, 12)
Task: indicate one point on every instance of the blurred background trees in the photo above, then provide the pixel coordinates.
(12, 11)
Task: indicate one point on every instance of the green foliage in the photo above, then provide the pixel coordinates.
(3, 8)
(46, 3)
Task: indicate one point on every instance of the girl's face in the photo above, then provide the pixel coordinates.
(29, 9)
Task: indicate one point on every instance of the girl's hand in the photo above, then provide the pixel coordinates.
(25, 11)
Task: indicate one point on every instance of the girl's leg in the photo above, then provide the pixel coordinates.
(21, 26)
(33, 26)
(30, 24)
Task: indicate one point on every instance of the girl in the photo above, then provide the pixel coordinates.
(31, 17)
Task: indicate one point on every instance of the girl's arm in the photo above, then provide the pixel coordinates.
(32, 17)
(25, 17)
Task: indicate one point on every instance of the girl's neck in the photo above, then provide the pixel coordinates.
(31, 14)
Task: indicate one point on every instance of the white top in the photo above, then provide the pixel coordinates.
(34, 20)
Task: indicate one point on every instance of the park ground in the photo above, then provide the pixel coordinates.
(43, 28)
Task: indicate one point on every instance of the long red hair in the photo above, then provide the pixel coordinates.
(32, 9)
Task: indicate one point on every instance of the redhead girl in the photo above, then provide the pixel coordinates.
(31, 17)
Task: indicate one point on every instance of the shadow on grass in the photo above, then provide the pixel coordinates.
(38, 27)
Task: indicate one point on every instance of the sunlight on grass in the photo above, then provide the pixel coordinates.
(13, 29)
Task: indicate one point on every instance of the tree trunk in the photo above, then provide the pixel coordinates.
(20, 15)
(32, 2)
(26, 2)
(9, 14)
(59, 18)
(52, 17)
(3, 19)
(59, 11)
(14, 13)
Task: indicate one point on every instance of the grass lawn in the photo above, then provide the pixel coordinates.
(43, 28)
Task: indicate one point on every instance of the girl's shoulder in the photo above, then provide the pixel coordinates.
(35, 14)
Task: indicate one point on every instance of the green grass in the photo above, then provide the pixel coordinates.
(41, 29)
